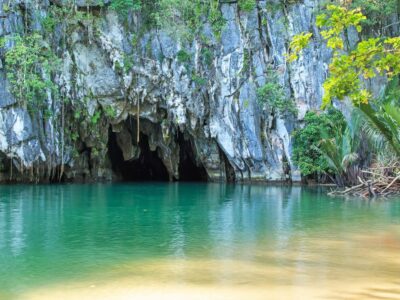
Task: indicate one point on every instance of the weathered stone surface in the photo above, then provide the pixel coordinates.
(217, 110)
(6, 99)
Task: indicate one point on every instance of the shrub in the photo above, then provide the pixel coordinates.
(272, 96)
(318, 126)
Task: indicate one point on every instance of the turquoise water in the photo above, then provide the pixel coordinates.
(61, 233)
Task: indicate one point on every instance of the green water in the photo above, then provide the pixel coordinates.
(54, 234)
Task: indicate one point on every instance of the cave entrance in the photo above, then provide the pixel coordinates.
(148, 167)
(189, 169)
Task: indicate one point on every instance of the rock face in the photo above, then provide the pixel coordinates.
(132, 107)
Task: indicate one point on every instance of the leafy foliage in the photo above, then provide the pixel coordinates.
(336, 21)
(272, 96)
(30, 65)
(124, 6)
(385, 119)
(340, 151)
(299, 42)
(186, 18)
(247, 5)
(306, 141)
(67, 17)
(182, 56)
(370, 58)
(377, 13)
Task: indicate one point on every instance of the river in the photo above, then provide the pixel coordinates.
(195, 241)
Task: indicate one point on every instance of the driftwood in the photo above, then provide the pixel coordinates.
(376, 181)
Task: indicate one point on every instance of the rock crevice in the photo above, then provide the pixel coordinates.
(193, 106)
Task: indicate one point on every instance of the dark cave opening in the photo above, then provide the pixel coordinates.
(189, 170)
(148, 167)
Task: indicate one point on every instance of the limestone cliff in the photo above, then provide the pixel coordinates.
(144, 106)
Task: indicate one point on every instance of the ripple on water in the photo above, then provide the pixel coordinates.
(195, 241)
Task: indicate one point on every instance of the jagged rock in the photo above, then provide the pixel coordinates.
(230, 135)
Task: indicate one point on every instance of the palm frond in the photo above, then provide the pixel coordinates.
(349, 159)
(383, 124)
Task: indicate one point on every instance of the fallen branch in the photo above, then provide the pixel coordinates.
(376, 181)
(394, 180)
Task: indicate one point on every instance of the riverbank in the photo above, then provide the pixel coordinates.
(310, 274)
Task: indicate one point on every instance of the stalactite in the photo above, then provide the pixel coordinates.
(138, 122)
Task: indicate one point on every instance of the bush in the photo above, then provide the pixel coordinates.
(306, 154)
(272, 96)
(247, 5)
(124, 6)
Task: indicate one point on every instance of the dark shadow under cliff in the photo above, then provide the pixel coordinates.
(189, 169)
(146, 168)
(149, 166)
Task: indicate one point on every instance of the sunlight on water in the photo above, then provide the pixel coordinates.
(362, 267)
(195, 241)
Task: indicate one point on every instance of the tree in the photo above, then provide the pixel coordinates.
(350, 68)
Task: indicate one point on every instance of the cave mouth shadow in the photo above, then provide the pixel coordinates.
(150, 167)
(189, 169)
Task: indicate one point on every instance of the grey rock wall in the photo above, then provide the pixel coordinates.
(231, 135)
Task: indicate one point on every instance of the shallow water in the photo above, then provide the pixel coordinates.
(195, 241)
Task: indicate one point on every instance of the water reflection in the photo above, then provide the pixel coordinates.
(52, 233)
